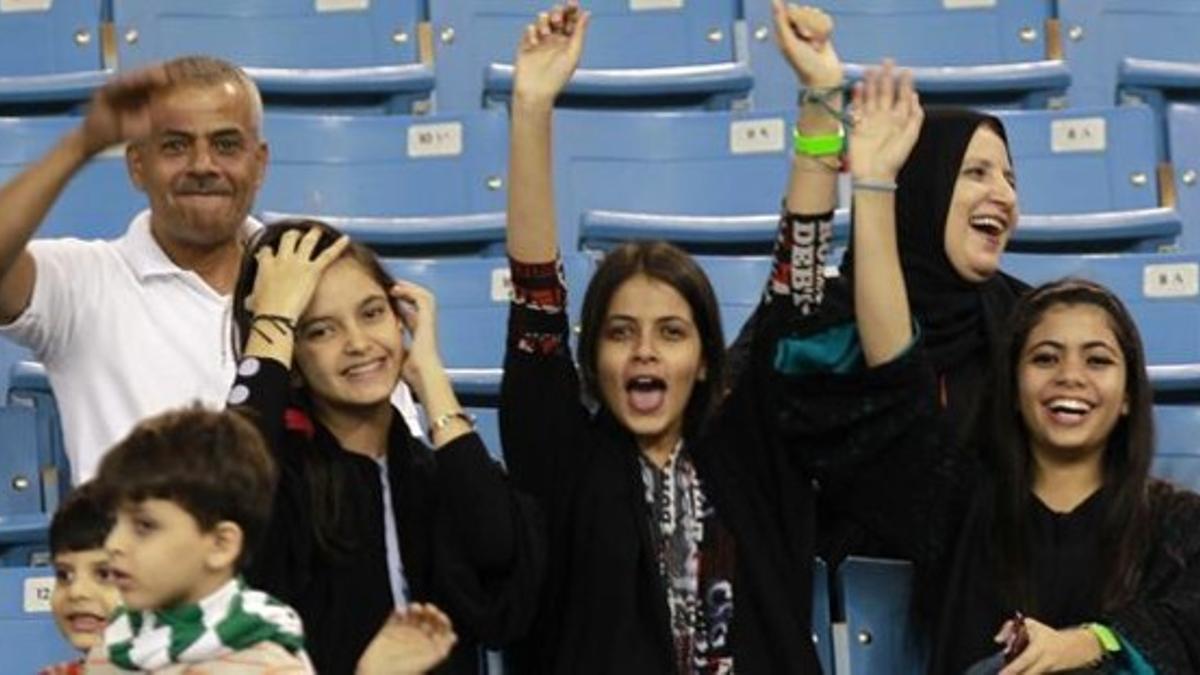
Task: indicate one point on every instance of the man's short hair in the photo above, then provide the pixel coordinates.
(214, 465)
(208, 71)
(81, 523)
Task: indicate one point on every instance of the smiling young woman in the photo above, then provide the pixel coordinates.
(368, 519)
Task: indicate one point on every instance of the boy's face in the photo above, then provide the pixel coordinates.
(84, 596)
(160, 558)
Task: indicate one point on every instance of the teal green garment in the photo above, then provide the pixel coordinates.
(834, 350)
(1131, 661)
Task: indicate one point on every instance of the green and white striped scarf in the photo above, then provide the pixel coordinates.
(230, 620)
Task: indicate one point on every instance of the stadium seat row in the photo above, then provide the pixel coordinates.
(711, 181)
(411, 55)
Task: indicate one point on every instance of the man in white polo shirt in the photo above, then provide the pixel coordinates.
(131, 327)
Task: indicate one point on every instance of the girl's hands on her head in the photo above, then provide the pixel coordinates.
(411, 641)
(1051, 651)
(887, 118)
(549, 52)
(288, 277)
(804, 35)
(418, 312)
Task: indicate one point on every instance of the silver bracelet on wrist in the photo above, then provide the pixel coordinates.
(871, 185)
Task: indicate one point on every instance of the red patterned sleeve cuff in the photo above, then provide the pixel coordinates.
(539, 286)
(538, 322)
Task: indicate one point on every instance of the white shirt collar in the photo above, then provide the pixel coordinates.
(147, 259)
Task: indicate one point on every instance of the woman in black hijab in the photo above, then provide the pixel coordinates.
(955, 208)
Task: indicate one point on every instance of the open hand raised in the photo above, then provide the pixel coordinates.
(887, 118)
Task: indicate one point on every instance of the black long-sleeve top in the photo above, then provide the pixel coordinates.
(603, 606)
(1159, 628)
(468, 542)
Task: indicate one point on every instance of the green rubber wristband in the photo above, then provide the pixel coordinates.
(819, 146)
(1106, 636)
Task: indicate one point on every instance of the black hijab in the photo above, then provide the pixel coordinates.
(959, 319)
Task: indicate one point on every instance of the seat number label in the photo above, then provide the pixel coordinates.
(435, 140)
(37, 594)
(1178, 280)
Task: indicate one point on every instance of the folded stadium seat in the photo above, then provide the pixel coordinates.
(875, 597)
(1089, 181)
(487, 424)
(822, 623)
(11, 354)
(346, 55)
(29, 388)
(29, 640)
(708, 181)
(1177, 451)
(50, 55)
(428, 185)
(1000, 54)
(1183, 124)
(1162, 292)
(738, 282)
(472, 307)
(1131, 50)
(639, 53)
(99, 201)
(28, 486)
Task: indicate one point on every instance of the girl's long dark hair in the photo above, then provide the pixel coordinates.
(327, 485)
(1126, 463)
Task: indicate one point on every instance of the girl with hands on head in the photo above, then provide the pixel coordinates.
(367, 518)
(680, 525)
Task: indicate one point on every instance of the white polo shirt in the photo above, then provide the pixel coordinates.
(124, 334)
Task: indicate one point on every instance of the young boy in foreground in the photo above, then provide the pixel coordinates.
(191, 492)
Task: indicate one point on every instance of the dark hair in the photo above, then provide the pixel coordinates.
(268, 237)
(82, 521)
(214, 465)
(666, 263)
(1127, 455)
(327, 484)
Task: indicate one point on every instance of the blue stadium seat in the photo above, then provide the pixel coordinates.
(487, 424)
(322, 54)
(50, 55)
(1131, 49)
(98, 203)
(11, 354)
(393, 182)
(875, 597)
(29, 388)
(1177, 455)
(1161, 293)
(822, 622)
(1183, 125)
(25, 503)
(642, 53)
(738, 282)
(980, 53)
(1088, 181)
(29, 640)
(708, 181)
(473, 300)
